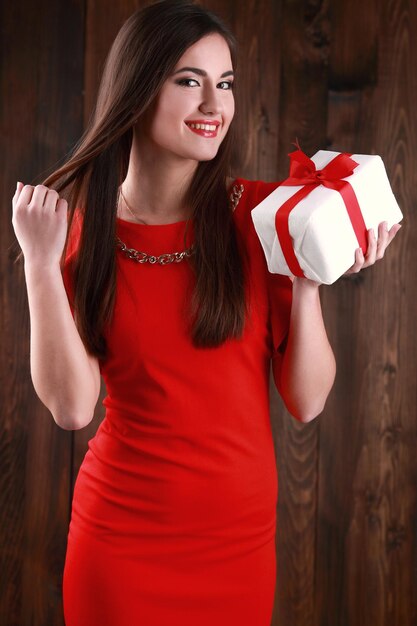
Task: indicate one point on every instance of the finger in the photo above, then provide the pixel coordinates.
(383, 240)
(51, 200)
(38, 197)
(358, 264)
(370, 255)
(62, 207)
(19, 187)
(390, 236)
(25, 196)
(393, 231)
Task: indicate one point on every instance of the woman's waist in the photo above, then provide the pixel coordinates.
(154, 495)
(169, 462)
(207, 450)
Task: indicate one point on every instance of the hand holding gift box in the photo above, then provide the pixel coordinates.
(312, 224)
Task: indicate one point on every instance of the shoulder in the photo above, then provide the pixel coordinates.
(244, 196)
(250, 192)
(278, 286)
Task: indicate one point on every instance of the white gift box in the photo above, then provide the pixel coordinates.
(322, 235)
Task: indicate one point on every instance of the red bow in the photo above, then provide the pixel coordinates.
(303, 172)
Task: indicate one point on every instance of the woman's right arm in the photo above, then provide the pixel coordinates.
(65, 377)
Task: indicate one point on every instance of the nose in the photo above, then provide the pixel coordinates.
(211, 103)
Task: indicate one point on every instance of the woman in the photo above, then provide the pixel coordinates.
(174, 507)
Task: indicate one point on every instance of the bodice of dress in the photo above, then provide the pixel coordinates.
(177, 414)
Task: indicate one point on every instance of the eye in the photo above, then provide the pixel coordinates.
(185, 81)
(227, 82)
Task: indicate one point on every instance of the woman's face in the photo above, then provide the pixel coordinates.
(203, 94)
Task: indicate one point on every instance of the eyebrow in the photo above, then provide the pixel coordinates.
(197, 70)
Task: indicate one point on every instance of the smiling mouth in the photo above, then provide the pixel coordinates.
(205, 130)
(201, 125)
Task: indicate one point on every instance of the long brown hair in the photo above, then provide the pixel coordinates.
(142, 56)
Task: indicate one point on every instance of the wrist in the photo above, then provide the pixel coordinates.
(300, 282)
(35, 266)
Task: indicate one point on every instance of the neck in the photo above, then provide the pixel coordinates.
(155, 186)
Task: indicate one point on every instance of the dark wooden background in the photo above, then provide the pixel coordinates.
(337, 75)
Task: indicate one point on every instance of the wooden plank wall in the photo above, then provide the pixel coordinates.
(42, 51)
(337, 75)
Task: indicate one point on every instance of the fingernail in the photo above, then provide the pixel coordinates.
(386, 226)
(360, 252)
(17, 184)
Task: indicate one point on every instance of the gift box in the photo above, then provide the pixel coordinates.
(313, 222)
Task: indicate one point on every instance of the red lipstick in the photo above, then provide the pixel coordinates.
(202, 131)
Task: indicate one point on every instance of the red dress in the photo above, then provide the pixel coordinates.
(174, 506)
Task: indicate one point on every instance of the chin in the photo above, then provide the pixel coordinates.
(207, 159)
(205, 155)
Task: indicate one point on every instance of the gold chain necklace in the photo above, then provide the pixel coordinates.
(128, 207)
(168, 257)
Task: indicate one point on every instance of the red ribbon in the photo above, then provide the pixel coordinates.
(303, 172)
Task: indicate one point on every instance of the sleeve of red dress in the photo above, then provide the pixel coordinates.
(280, 301)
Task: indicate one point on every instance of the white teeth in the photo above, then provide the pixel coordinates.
(210, 127)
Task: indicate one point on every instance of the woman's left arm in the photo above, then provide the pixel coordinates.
(308, 364)
(308, 367)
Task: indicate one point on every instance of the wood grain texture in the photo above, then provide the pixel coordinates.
(304, 39)
(257, 85)
(365, 560)
(41, 69)
(353, 63)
